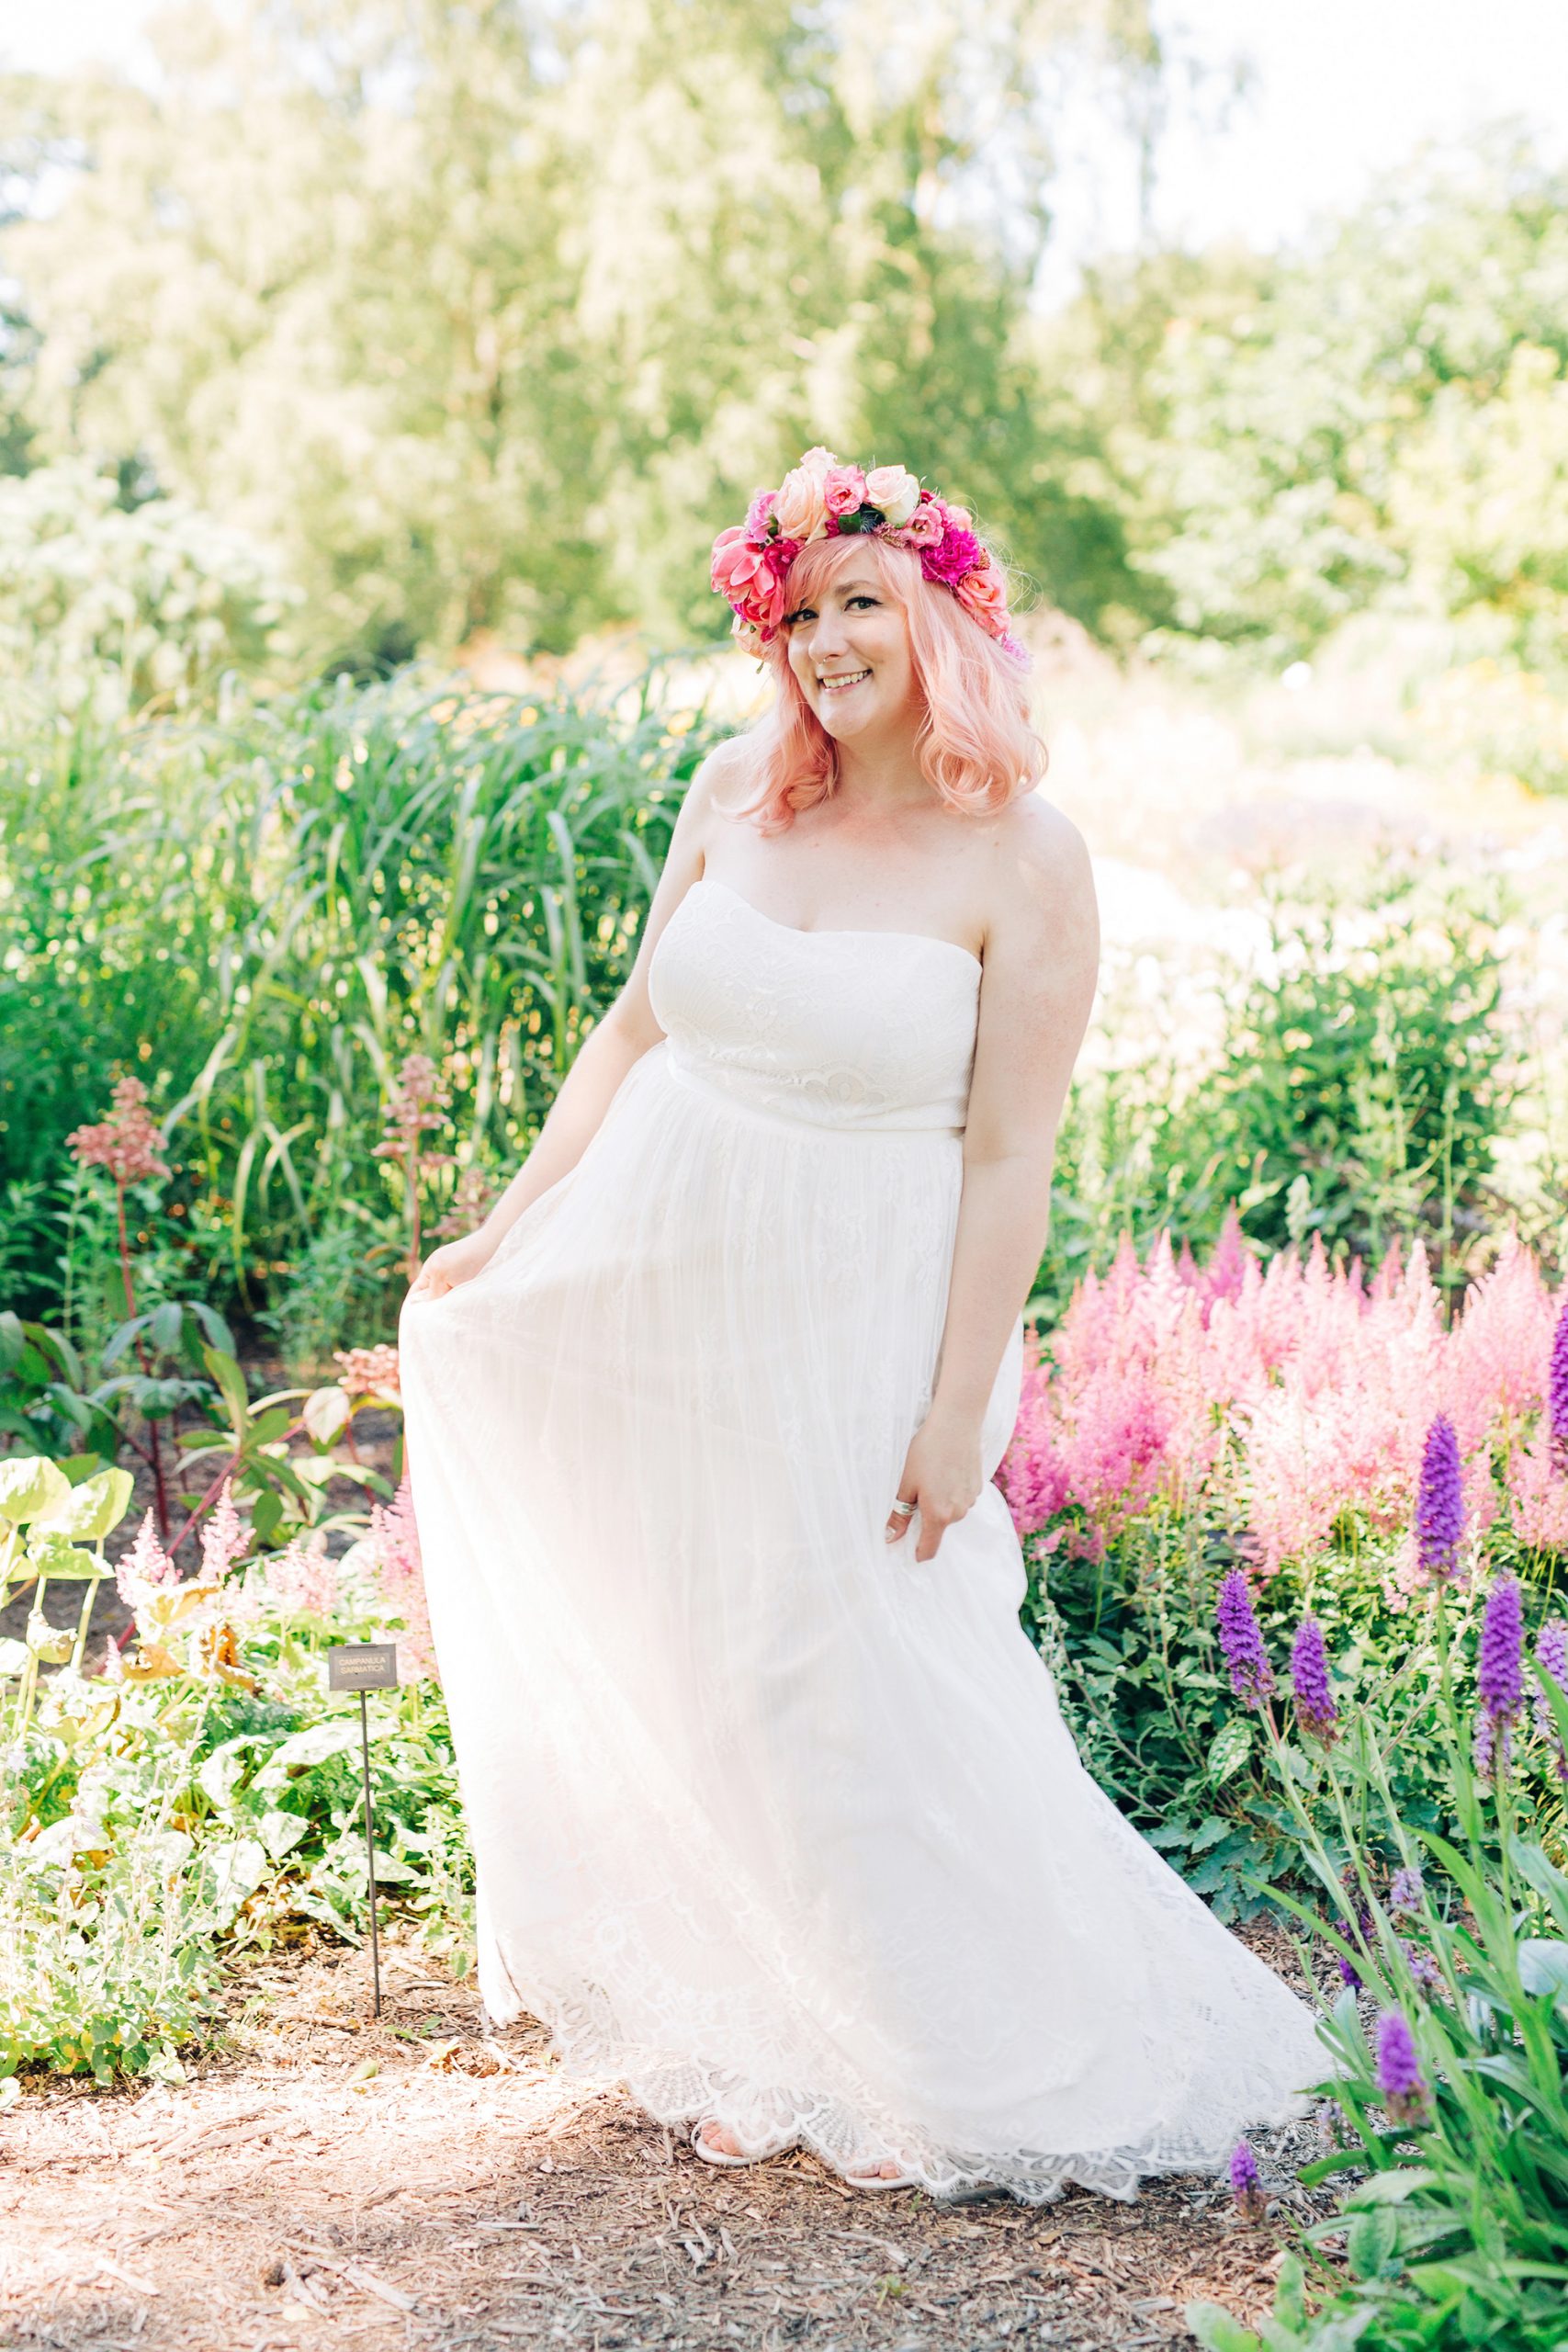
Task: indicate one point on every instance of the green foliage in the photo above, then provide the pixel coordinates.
(264, 920)
(1360, 1076)
(203, 1796)
(1455, 2230)
(1131, 1645)
(1376, 417)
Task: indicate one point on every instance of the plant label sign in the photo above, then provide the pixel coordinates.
(362, 1666)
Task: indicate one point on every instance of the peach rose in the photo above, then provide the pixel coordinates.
(817, 462)
(843, 488)
(800, 508)
(984, 594)
(894, 491)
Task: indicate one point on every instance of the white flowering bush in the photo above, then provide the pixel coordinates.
(105, 612)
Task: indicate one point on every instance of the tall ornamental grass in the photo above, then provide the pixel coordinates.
(266, 914)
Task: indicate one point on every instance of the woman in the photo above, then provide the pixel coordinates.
(774, 1815)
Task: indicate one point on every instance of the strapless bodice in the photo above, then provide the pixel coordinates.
(867, 1031)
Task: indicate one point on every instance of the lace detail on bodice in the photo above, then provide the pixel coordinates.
(870, 1030)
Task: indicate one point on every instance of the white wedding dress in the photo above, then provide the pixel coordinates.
(772, 1822)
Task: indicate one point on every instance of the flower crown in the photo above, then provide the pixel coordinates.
(821, 499)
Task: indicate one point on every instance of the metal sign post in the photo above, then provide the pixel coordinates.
(362, 1666)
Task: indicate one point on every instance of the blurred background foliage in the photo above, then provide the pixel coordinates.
(485, 317)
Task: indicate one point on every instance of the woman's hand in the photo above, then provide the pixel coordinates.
(941, 1477)
(454, 1264)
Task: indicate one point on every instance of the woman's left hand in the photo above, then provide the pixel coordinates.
(941, 1477)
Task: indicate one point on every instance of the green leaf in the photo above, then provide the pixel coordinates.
(91, 1510)
(1543, 1968)
(1230, 1750)
(1371, 2242)
(1391, 2188)
(30, 1485)
(54, 1555)
(231, 1385)
(1218, 2331)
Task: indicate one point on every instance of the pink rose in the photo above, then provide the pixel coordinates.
(984, 594)
(760, 515)
(894, 492)
(817, 462)
(800, 507)
(843, 489)
(925, 525)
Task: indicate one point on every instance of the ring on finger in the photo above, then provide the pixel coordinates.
(904, 1510)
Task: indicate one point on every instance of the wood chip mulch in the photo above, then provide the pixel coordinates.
(323, 2179)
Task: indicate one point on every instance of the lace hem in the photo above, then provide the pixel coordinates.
(679, 2091)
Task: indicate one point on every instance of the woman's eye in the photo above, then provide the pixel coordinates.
(804, 614)
(863, 600)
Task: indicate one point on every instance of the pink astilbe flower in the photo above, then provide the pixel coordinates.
(1538, 1495)
(471, 1202)
(128, 1143)
(302, 1578)
(224, 1539)
(368, 1371)
(145, 1567)
(394, 1543)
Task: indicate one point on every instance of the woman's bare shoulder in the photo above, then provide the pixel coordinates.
(1040, 866)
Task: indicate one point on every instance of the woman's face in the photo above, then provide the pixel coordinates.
(850, 653)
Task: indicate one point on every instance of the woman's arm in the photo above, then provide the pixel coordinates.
(1041, 961)
(619, 1037)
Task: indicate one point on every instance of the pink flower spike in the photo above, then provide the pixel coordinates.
(144, 1568)
(224, 1539)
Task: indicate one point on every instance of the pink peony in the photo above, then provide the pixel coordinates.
(759, 517)
(750, 577)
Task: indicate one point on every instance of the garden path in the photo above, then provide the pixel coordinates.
(325, 2179)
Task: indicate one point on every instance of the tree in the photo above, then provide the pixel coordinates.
(488, 314)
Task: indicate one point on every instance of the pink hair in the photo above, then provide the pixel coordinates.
(977, 747)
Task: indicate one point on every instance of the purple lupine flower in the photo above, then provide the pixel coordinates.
(1332, 2128)
(1499, 1674)
(1557, 1389)
(1315, 1710)
(1439, 1504)
(1252, 1678)
(1401, 2082)
(1424, 1969)
(1405, 1889)
(1551, 1651)
(1246, 2183)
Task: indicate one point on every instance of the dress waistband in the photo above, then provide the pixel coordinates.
(741, 1109)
